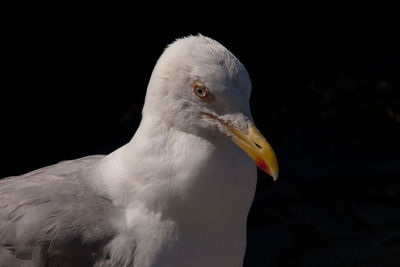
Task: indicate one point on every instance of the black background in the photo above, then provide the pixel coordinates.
(326, 94)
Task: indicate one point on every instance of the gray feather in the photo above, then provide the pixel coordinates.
(52, 217)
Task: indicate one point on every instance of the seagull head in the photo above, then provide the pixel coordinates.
(199, 86)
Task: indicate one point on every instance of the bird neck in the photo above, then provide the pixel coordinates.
(183, 175)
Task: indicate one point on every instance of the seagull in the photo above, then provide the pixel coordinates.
(178, 194)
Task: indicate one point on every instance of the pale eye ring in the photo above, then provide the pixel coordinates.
(200, 91)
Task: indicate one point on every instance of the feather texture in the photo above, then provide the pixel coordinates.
(51, 217)
(178, 194)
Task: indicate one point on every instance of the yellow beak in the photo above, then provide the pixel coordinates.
(257, 147)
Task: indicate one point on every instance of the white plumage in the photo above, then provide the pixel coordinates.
(177, 194)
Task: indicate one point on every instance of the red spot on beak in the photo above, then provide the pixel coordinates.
(262, 165)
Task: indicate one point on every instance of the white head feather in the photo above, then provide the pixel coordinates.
(181, 179)
(197, 59)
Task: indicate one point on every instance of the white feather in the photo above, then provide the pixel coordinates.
(182, 181)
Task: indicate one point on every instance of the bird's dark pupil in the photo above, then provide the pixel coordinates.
(200, 91)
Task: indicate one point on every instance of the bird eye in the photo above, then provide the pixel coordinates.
(200, 91)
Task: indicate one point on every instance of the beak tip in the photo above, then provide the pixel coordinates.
(272, 172)
(274, 176)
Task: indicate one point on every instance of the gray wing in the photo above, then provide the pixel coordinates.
(51, 217)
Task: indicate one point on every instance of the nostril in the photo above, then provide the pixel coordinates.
(257, 145)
